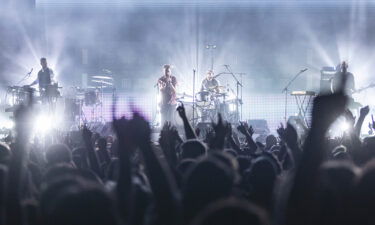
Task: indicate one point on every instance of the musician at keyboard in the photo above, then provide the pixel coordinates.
(45, 76)
(47, 87)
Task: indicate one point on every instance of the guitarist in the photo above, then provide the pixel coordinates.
(349, 89)
(335, 82)
(167, 87)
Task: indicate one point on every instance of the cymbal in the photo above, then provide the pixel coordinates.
(102, 82)
(220, 94)
(102, 77)
(96, 87)
(184, 95)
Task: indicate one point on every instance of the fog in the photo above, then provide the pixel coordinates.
(268, 42)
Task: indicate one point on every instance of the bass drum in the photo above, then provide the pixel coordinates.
(189, 114)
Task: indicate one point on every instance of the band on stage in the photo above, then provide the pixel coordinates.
(210, 99)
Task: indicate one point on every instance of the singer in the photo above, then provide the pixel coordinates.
(167, 87)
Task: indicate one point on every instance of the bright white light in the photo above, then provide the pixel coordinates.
(232, 107)
(43, 123)
(344, 126)
(339, 127)
(158, 113)
(9, 124)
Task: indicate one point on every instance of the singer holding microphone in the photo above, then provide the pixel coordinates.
(167, 87)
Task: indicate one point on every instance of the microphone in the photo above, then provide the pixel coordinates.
(303, 70)
(29, 73)
(107, 71)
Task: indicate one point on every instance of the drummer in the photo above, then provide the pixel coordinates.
(210, 83)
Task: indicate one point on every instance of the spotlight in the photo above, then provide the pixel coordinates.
(344, 126)
(9, 124)
(43, 123)
(339, 127)
(232, 107)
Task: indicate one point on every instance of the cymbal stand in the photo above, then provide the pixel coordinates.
(193, 124)
(238, 86)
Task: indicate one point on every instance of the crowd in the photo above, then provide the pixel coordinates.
(214, 177)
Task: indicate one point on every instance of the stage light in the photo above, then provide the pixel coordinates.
(232, 107)
(9, 124)
(339, 127)
(344, 126)
(43, 124)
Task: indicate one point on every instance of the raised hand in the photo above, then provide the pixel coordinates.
(221, 129)
(362, 115)
(288, 135)
(86, 134)
(251, 130)
(364, 111)
(241, 128)
(189, 131)
(140, 129)
(168, 140)
(122, 130)
(245, 129)
(327, 109)
(248, 132)
(181, 110)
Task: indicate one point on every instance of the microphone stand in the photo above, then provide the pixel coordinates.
(286, 89)
(26, 76)
(194, 71)
(238, 85)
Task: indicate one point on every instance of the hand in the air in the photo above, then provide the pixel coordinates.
(288, 134)
(181, 110)
(168, 135)
(86, 134)
(221, 128)
(245, 129)
(327, 109)
(364, 111)
(140, 129)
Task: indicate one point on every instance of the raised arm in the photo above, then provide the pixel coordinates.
(13, 209)
(124, 183)
(189, 131)
(162, 182)
(93, 159)
(362, 115)
(248, 133)
(168, 140)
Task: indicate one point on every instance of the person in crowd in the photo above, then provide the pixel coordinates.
(186, 179)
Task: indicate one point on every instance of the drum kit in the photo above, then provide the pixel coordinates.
(208, 103)
(90, 97)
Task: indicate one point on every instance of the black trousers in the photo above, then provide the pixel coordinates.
(168, 112)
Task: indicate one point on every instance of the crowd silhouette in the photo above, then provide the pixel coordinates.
(219, 176)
